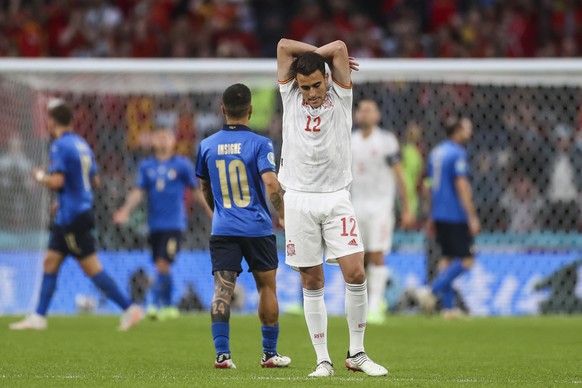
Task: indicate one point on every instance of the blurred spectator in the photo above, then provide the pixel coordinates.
(16, 187)
(522, 204)
(227, 28)
(564, 182)
(487, 185)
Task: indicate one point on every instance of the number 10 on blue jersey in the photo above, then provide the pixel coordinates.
(233, 179)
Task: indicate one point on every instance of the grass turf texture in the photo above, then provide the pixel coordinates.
(88, 351)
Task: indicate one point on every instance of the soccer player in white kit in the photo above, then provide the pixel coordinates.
(316, 172)
(377, 173)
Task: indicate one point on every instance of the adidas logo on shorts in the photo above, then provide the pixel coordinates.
(353, 242)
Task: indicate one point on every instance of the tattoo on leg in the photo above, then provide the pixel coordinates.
(224, 282)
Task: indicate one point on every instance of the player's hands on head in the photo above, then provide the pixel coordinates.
(354, 65)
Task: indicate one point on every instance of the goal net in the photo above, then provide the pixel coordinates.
(525, 157)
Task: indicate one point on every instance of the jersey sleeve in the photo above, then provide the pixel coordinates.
(344, 92)
(141, 180)
(189, 174)
(266, 156)
(57, 159)
(392, 150)
(461, 167)
(288, 89)
(201, 166)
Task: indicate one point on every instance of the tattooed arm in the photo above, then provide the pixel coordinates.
(224, 282)
(274, 192)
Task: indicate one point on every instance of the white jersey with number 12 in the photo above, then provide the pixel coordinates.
(316, 154)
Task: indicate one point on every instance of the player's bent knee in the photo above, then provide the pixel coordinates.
(52, 262)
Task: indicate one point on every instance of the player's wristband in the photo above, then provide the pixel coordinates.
(39, 176)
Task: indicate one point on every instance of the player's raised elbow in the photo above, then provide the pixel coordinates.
(340, 47)
(282, 46)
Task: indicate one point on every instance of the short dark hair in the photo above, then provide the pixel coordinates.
(236, 100)
(307, 63)
(62, 114)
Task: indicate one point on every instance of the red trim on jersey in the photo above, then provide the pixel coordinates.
(342, 85)
(286, 81)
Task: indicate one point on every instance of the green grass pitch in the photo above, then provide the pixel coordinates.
(87, 351)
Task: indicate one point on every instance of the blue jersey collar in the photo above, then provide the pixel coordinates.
(235, 127)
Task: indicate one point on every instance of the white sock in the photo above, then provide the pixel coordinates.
(316, 318)
(377, 278)
(356, 312)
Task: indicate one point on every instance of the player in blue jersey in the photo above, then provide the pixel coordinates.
(72, 174)
(236, 166)
(453, 218)
(163, 179)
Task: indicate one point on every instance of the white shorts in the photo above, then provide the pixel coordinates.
(318, 224)
(376, 224)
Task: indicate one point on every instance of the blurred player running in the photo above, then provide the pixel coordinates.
(72, 174)
(377, 172)
(163, 179)
(452, 215)
(315, 171)
(235, 167)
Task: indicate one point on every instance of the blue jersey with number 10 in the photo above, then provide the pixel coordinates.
(446, 163)
(233, 160)
(71, 156)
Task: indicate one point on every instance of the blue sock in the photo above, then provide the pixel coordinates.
(106, 284)
(47, 289)
(270, 336)
(165, 281)
(446, 278)
(447, 298)
(157, 291)
(220, 335)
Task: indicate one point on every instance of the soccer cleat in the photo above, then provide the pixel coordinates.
(32, 322)
(323, 369)
(223, 361)
(274, 360)
(152, 313)
(131, 317)
(360, 362)
(426, 300)
(454, 313)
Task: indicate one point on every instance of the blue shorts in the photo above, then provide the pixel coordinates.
(227, 253)
(454, 239)
(76, 239)
(165, 244)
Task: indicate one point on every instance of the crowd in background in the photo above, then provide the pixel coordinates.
(251, 28)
